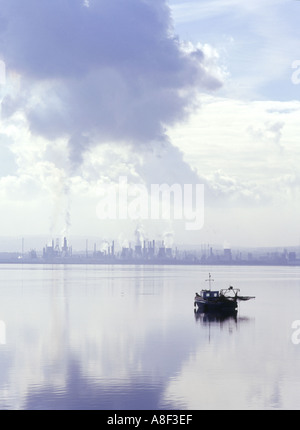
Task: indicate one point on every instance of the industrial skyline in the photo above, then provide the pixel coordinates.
(150, 252)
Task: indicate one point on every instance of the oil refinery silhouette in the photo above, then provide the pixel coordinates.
(151, 252)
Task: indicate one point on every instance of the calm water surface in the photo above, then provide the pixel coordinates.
(127, 337)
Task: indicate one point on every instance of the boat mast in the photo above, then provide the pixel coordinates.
(209, 280)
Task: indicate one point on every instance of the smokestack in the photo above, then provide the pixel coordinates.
(65, 245)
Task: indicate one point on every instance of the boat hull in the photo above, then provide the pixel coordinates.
(225, 304)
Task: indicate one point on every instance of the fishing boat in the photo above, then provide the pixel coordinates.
(224, 300)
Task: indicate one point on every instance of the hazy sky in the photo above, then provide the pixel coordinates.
(158, 92)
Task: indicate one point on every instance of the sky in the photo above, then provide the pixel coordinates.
(185, 93)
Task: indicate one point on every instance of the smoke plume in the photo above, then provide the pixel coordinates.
(99, 71)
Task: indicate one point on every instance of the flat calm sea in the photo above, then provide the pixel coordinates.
(127, 337)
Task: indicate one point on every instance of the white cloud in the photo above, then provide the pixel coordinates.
(258, 41)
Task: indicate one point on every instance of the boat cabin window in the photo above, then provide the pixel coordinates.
(211, 294)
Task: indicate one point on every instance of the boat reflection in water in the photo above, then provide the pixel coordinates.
(219, 319)
(215, 316)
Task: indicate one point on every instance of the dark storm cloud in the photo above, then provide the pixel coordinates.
(109, 71)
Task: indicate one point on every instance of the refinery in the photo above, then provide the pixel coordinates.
(149, 252)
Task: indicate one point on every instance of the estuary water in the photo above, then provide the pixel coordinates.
(127, 338)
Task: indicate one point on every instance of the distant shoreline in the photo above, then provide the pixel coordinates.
(91, 261)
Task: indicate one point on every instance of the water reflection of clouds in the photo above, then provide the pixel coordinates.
(75, 344)
(103, 338)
